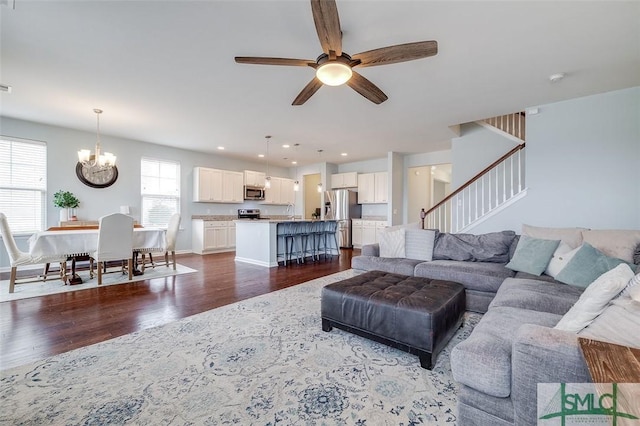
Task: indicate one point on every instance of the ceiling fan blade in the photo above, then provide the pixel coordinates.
(325, 16)
(308, 91)
(275, 61)
(366, 88)
(398, 53)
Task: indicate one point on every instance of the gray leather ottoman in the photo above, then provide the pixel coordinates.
(414, 314)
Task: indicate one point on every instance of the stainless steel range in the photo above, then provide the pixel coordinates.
(249, 214)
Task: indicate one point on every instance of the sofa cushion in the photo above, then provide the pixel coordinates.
(586, 266)
(483, 360)
(614, 242)
(396, 266)
(596, 298)
(542, 277)
(533, 255)
(418, 244)
(571, 236)
(482, 276)
(492, 247)
(536, 295)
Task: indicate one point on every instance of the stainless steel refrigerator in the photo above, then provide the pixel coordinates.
(341, 205)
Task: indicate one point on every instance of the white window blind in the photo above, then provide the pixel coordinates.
(160, 181)
(23, 184)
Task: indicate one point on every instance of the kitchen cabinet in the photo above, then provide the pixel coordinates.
(373, 188)
(365, 232)
(207, 185)
(252, 178)
(281, 192)
(210, 236)
(232, 187)
(344, 180)
(217, 186)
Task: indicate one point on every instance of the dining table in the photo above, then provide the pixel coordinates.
(56, 243)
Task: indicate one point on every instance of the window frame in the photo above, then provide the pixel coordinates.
(151, 195)
(42, 189)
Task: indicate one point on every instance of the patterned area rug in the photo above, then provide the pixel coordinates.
(54, 286)
(263, 361)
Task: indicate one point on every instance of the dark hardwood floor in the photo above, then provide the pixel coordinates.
(35, 328)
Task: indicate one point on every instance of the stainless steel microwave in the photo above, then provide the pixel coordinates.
(253, 193)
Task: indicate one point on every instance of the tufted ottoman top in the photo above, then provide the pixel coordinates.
(416, 311)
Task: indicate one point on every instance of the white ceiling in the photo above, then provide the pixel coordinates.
(163, 71)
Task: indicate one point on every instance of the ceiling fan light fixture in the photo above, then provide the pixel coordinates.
(334, 73)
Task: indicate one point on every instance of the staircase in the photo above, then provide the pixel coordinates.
(493, 189)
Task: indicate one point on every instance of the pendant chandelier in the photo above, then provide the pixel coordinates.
(296, 184)
(320, 171)
(106, 160)
(267, 179)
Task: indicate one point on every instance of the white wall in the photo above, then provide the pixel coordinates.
(583, 166)
(62, 147)
(476, 149)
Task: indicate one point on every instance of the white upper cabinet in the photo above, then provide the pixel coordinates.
(217, 186)
(373, 188)
(281, 192)
(252, 178)
(344, 180)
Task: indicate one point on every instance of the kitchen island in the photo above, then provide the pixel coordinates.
(258, 243)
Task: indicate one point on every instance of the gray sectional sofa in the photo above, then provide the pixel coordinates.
(475, 261)
(515, 345)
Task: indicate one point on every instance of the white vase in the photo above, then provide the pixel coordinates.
(64, 215)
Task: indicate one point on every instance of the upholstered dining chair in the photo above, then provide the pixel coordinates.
(20, 258)
(170, 248)
(115, 242)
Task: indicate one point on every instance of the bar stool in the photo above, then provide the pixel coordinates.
(317, 234)
(330, 229)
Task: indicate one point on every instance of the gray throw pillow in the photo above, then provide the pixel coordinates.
(586, 266)
(533, 255)
(492, 247)
(418, 244)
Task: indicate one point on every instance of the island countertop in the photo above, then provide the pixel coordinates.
(257, 240)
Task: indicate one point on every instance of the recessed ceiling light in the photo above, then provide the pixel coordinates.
(261, 155)
(344, 154)
(285, 146)
(294, 162)
(221, 148)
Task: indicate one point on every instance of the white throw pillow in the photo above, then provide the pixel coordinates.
(595, 298)
(560, 258)
(616, 323)
(632, 290)
(419, 244)
(392, 243)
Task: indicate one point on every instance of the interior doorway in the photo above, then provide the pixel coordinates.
(311, 196)
(427, 186)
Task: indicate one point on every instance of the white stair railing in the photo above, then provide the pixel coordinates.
(490, 190)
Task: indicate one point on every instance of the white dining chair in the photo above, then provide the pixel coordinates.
(115, 242)
(170, 247)
(20, 258)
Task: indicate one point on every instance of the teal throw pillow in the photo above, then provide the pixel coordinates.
(586, 266)
(532, 255)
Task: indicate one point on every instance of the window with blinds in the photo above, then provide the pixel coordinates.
(160, 190)
(23, 184)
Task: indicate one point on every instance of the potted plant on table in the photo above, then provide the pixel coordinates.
(65, 200)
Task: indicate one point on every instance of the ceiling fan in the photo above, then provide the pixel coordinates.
(334, 67)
